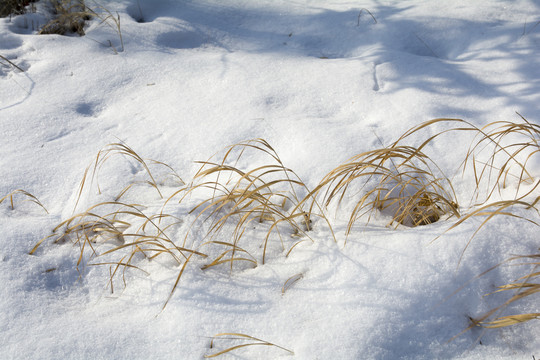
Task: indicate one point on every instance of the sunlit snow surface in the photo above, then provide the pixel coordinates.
(321, 81)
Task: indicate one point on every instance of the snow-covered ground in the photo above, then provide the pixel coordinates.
(320, 81)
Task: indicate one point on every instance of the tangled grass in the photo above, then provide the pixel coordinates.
(254, 196)
(399, 180)
(245, 212)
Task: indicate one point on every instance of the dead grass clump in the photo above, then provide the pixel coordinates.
(27, 195)
(70, 18)
(523, 287)
(13, 7)
(120, 229)
(115, 233)
(400, 181)
(241, 341)
(243, 198)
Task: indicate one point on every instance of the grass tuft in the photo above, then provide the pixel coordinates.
(245, 211)
(70, 18)
(498, 156)
(13, 7)
(260, 195)
(400, 181)
(119, 232)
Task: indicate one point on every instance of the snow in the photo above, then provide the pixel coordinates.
(321, 81)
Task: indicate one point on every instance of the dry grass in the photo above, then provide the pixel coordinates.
(246, 212)
(499, 158)
(248, 197)
(70, 17)
(241, 339)
(26, 195)
(121, 229)
(525, 286)
(107, 223)
(13, 7)
(120, 149)
(121, 232)
(491, 210)
(111, 20)
(511, 144)
(10, 63)
(290, 282)
(498, 155)
(400, 181)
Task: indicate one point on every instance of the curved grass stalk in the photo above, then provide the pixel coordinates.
(290, 282)
(29, 197)
(237, 337)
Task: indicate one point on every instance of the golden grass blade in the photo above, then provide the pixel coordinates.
(146, 239)
(238, 336)
(39, 243)
(173, 172)
(290, 282)
(504, 321)
(180, 273)
(522, 288)
(231, 260)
